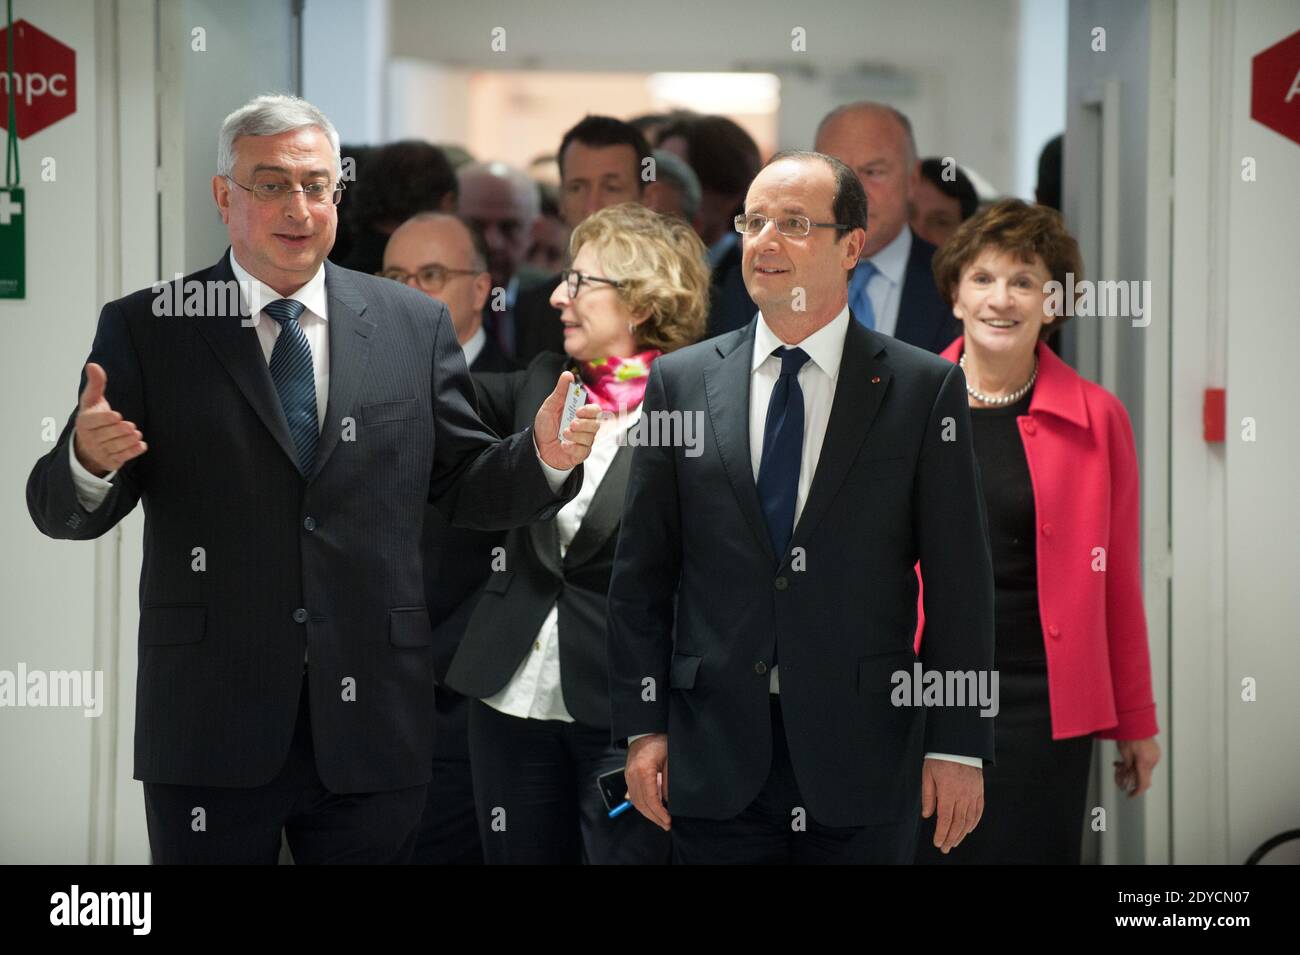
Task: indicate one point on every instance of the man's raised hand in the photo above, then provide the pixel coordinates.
(103, 441)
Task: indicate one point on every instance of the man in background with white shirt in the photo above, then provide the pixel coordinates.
(892, 289)
(764, 595)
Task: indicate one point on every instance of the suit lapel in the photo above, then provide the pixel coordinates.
(349, 335)
(726, 391)
(237, 347)
(857, 400)
(604, 513)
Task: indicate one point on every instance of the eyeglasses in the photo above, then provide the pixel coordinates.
(793, 226)
(574, 279)
(432, 278)
(321, 192)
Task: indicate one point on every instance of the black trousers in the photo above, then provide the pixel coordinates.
(1035, 798)
(449, 828)
(771, 830)
(243, 826)
(537, 799)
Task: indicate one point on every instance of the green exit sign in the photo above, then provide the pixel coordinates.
(13, 254)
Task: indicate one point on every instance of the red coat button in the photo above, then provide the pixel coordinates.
(1053, 631)
(1047, 530)
(1030, 427)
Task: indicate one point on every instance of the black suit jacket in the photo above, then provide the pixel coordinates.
(221, 648)
(537, 322)
(456, 562)
(698, 604)
(924, 318)
(516, 600)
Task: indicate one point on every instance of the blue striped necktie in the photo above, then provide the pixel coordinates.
(295, 380)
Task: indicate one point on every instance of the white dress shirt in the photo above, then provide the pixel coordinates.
(535, 692)
(474, 347)
(886, 287)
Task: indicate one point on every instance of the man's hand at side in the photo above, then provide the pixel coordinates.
(958, 792)
(647, 778)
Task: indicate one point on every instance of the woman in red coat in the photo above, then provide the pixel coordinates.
(1059, 473)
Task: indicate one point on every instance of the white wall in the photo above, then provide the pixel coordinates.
(1040, 86)
(950, 66)
(50, 808)
(1262, 316)
(345, 47)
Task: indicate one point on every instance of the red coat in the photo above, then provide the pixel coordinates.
(1083, 468)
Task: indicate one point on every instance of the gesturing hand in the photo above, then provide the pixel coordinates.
(103, 442)
(578, 436)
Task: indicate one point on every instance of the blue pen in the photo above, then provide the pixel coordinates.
(621, 807)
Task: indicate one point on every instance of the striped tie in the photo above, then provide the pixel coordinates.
(295, 381)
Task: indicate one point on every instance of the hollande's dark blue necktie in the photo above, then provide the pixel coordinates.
(778, 469)
(295, 381)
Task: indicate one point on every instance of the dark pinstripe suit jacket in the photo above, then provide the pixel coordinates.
(330, 563)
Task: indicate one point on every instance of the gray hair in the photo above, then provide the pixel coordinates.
(270, 115)
(527, 195)
(868, 106)
(673, 169)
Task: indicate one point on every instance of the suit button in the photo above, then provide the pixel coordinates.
(300, 616)
(309, 523)
(1030, 427)
(781, 583)
(1053, 630)
(1047, 530)
(760, 667)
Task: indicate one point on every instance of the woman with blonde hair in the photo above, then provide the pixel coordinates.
(533, 654)
(1059, 473)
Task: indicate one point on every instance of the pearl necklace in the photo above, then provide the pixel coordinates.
(1004, 399)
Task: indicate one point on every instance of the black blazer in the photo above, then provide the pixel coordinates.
(516, 600)
(329, 563)
(924, 318)
(698, 604)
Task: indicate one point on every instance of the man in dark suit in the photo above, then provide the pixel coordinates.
(601, 162)
(448, 260)
(726, 159)
(763, 594)
(290, 457)
(892, 289)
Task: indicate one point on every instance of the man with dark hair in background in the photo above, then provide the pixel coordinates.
(892, 290)
(601, 163)
(943, 199)
(1051, 163)
(400, 179)
(726, 159)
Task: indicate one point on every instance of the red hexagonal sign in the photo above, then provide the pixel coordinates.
(1275, 87)
(44, 80)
